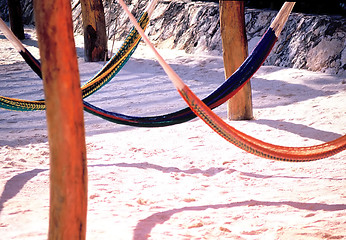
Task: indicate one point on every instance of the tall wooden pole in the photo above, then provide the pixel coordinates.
(16, 21)
(68, 168)
(94, 26)
(235, 51)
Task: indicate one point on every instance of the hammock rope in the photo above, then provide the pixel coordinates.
(234, 136)
(215, 99)
(108, 71)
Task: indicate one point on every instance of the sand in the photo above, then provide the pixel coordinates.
(182, 181)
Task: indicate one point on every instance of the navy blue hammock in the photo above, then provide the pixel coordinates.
(213, 100)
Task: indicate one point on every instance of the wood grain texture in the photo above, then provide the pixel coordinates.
(16, 21)
(235, 51)
(94, 26)
(64, 111)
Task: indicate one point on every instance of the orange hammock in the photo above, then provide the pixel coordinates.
(242, 140)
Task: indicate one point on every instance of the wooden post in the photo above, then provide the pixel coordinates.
(66, 134)
(235, 51)
(94, 25)
(16, 21)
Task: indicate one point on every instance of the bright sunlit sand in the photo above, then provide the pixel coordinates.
(182, 181)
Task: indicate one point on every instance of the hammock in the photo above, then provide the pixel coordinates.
(242, 140)
(215, 99)
(26, 55)
(108, 71)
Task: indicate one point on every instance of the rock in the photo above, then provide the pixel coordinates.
(323, 54)
(313, 42)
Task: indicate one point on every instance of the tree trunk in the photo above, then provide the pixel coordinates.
(64, 111)
(16, 21)
(235, 51)
(94, 25)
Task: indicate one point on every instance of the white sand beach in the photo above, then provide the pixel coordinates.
(182, 181)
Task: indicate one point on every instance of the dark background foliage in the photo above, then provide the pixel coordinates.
(329, 7)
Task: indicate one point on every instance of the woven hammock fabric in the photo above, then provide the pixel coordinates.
(215, 99)
(256, 146)
(234, 136)
(27, 56)
(112, 67)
